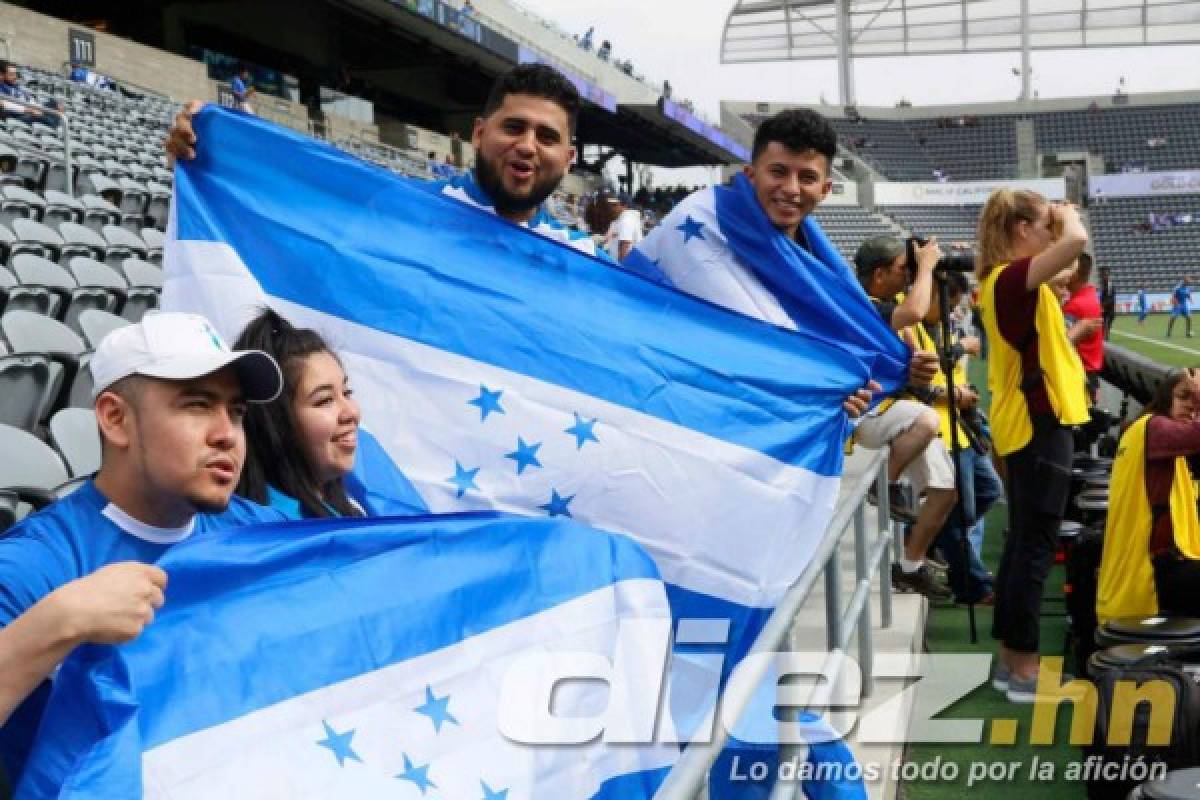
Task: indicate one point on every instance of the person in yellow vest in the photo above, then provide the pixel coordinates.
(979, 485)
(905, 426)
(1038, 394)
(1151, 559)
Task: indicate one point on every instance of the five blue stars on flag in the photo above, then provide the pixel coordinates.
(526, 453)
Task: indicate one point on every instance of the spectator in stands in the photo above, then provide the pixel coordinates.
(1181, 306)
(789, 171)
(522, 144)
(625, 232)
(980, 485)
(17, 103)
(1108, 298)
(666, 92)
(586, 41)
(907, 426)
(1038, 393)
(1142, 306)
(1151, 559)
(306, 455)
(301, 445)
(81, 74)
(243, 90)
(1085, 321)
(605, 50)
(170, 397)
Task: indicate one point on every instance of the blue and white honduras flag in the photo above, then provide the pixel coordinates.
(359, 659)
(502, 370)
(718, 244)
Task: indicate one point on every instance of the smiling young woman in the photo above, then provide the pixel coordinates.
(301, 446)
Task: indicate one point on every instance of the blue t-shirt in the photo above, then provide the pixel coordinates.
(70, 539)
(1183, 296)
(238, 87)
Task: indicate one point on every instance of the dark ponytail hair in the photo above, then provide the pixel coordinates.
(272, 455)
(1164, 393)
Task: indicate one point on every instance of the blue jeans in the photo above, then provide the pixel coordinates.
(981, 488)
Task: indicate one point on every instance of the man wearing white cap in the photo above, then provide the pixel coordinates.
(169, 399)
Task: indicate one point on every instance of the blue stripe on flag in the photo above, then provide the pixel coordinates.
(487, 291)
(279, 593)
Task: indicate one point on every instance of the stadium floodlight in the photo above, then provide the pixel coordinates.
(797, 30)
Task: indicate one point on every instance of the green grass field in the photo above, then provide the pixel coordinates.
(1150, 339)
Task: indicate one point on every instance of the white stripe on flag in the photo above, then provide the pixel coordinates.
(275, 752)
(717, 518)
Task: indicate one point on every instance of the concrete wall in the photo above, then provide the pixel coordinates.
(40, 41)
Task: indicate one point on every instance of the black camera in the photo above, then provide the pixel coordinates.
(951, 262)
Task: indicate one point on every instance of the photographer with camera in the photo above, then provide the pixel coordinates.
(907, 427)
(979, 486)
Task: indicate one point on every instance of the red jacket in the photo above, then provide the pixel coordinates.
(1085, 304)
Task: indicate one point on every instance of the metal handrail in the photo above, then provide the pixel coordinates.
(689, 775)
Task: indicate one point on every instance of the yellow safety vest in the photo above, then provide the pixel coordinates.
(925, 342)
(1012, 427)
(1126, 585)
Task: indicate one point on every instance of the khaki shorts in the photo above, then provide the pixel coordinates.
(932, 469)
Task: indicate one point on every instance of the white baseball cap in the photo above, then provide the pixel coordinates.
(179, 347)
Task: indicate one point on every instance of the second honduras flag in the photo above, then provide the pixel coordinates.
(501, 370)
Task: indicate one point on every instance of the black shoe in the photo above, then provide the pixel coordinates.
(921, 582)
(936, 563)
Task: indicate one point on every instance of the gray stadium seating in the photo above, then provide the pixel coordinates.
(98, 324)
(30, 469)
(75, 436)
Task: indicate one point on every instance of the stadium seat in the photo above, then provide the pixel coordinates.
(61, 207)
(26, 380)
(92, 274)
(97, 183)
(14, 296)
(159, 204)
(98, 212)
(145, 286)
(75, 436)
(16, 201)
(80, 240)
(122, 244)
(155, 242)
(29, 333)
(30, 469)
(134, 197)
(35, 271)
(98, 324)
(34, 237)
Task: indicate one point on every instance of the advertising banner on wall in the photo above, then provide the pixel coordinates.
(1144, 184)
(961, 193)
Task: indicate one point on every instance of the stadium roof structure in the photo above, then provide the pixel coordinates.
(793, 30)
